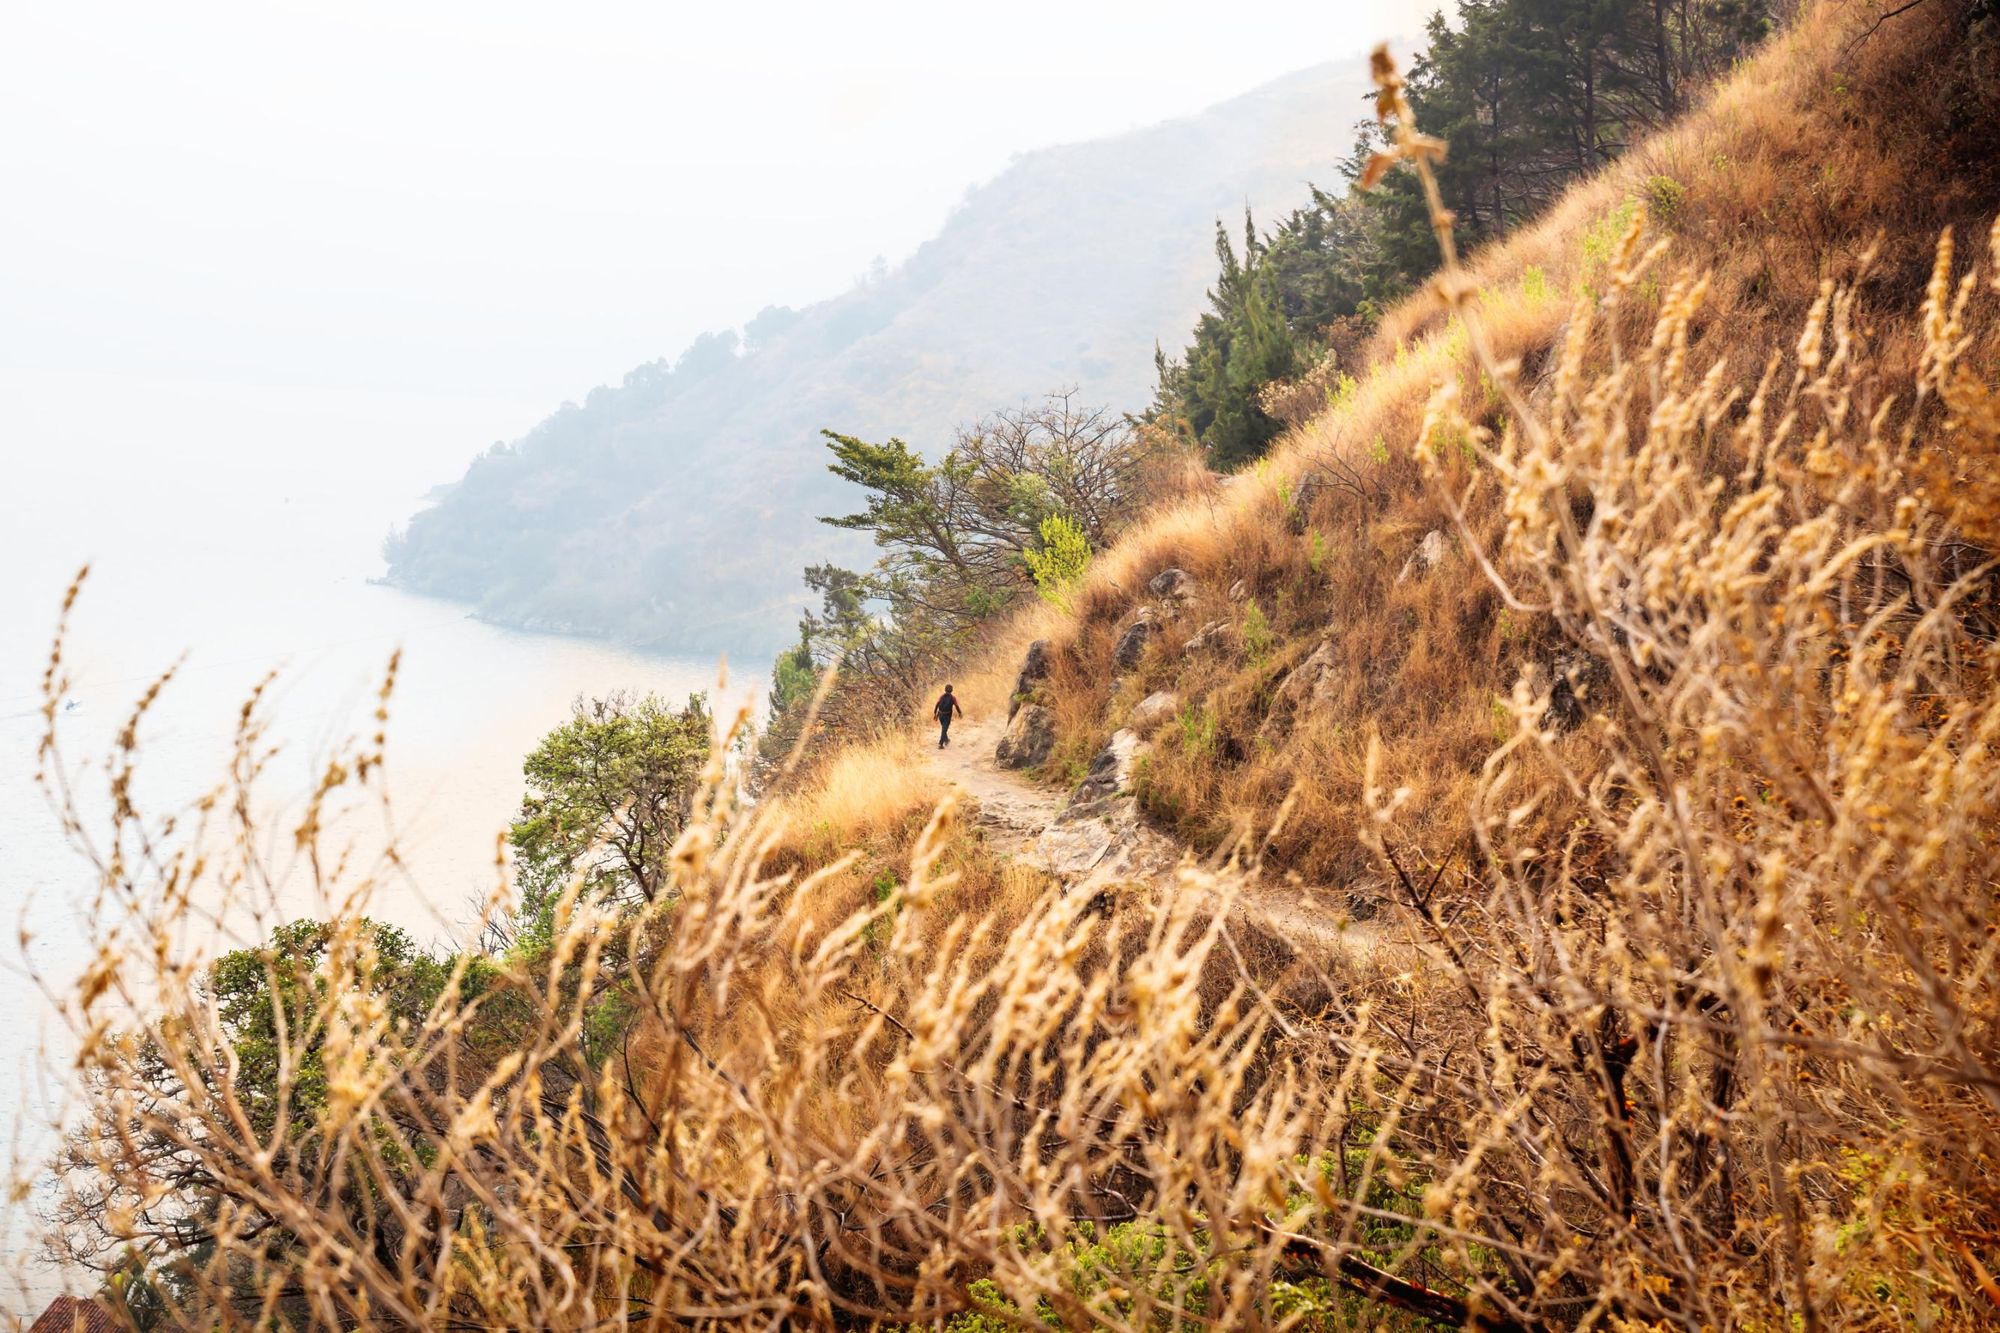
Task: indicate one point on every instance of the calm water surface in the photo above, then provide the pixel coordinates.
(236, 529)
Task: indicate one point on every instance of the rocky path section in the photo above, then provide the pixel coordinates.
(1094, 832)
(1013, 812)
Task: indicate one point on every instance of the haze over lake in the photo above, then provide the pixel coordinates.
(243, 535)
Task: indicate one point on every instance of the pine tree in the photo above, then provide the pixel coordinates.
(1529, 94)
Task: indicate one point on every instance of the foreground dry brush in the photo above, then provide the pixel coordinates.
(1703, 1032)
(807, 1118)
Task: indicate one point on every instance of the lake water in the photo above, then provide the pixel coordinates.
(238, 528)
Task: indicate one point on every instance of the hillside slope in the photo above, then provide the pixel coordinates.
(677, 508)
(1347, 596)
(1626, 640)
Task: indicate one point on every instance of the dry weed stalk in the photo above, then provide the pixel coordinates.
(1296, 401)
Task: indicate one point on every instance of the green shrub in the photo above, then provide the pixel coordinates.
(1058, 567)
(1198, 726)
(1258, 636)
(1664, 199)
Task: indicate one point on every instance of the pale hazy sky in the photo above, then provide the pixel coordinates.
(522, 201)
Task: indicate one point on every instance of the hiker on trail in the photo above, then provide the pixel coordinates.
(944, 711)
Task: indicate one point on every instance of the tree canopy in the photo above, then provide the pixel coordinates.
(608, 793)
(265, 996)
(960, 539)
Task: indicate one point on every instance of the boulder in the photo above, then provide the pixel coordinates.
(1239, 590)
(1153, 710)
(1573, 676)
(1132, 643)
(1309, 686)
(1210, 638)
(1034, 666)
(1172, 584)
(1111, 770)
(1031, 735)
(1429, 555)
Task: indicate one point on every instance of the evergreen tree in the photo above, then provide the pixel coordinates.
(795, 675)
(1529, 94)
(1243, 342)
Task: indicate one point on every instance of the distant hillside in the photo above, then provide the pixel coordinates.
(677, 508)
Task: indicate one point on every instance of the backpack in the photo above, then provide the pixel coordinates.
(943, 709)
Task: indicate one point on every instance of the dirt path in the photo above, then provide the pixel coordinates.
(1024, 820)
(1013, 810)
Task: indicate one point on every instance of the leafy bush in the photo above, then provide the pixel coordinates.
(1665, 198)
(608, 793)
(1258, 638)
(1059, 565)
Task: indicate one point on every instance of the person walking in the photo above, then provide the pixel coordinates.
(945, 710)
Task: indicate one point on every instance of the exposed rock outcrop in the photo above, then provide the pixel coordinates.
(1103, 838)
(1308, 687)
(1133, 642)
(1031, 736)
(1111, 769)
(1100, 830)
(1153, 710)
(1430, 553)
(1035, 665)
(1172, 584)
(1210, 638)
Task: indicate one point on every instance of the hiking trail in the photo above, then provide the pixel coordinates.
(1013, 810)
(1036, 824)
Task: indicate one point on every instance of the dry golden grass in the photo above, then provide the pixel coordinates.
(1724, 1051)
(865, 792)
(1686, 1017)
(856, 819)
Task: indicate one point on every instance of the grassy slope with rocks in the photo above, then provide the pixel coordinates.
(1773, 187)
(1825, 143)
